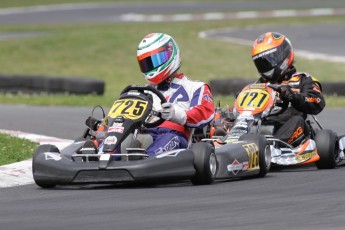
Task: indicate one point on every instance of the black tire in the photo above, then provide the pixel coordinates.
(326, 145)
(39, 150)
(264, 151)
(205, 163)
(83, 86)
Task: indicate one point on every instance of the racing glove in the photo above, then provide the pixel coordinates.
(174, 113)
(286, 93)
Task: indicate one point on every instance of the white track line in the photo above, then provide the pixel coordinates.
(211, 34)
(133, 17)
(20, 173)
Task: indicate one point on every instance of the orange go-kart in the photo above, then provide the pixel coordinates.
(253, 107)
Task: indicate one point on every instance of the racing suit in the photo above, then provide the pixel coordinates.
(308, 99)
(195, 98)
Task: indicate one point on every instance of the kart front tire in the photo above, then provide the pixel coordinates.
(205, 163)
(39, 150)
(264, 151)
(326, 145)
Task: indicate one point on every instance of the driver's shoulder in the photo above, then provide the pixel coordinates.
(303, 76)
(184, 80)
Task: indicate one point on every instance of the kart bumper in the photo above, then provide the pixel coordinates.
(60, 170)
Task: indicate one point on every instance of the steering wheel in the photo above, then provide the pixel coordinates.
(153, 113)
(280, 103)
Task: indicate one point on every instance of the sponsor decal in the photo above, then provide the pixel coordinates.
(253, 155)
(264, 53)
(119, 119)
(174, 143)
(298, 132)
(245, 165)
(172, 153)
(208, 98)
(233, 138)
(52, 156)
(306, 156)
(258, 86)
(110, 140)
(105, 157)
(313, 99)
(284, 65)
(133, 93)
(235, 167)
(117, 125)
(114, 129)
(87, 149)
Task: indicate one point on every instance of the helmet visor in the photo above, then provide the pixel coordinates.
(267, 60)
(155, 60)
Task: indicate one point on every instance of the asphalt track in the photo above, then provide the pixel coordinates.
(287, 198)
(311, 41)
(69, 122)
(100, 13)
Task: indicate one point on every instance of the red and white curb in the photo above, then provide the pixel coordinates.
(20, 173)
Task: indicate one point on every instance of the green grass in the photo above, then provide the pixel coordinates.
(28, 3)
(108, 52)
(25, 3)
(13, 149)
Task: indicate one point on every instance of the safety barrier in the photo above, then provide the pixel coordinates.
(38, 84)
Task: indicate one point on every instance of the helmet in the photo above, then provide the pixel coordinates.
(158, 56)
(273, 56)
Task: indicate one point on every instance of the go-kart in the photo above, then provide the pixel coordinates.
(82, 163)
(253, 108)
(247, 155)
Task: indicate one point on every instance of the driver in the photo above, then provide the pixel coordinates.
(189, 103)
(273, 57)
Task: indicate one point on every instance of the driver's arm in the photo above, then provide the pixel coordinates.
(201, 111)
(310, 100)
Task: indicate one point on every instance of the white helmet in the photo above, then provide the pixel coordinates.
(158, 56)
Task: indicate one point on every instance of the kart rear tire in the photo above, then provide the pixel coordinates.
(39, 150)
(264, 151)
(326, 144)
(205, 163)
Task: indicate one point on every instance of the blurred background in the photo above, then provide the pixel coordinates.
(98, 40)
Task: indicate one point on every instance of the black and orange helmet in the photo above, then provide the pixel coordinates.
(273, 55)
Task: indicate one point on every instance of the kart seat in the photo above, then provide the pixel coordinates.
(145, 140)
(141, 141)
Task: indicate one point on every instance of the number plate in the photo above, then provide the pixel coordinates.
(253, 98)
(129, 108)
